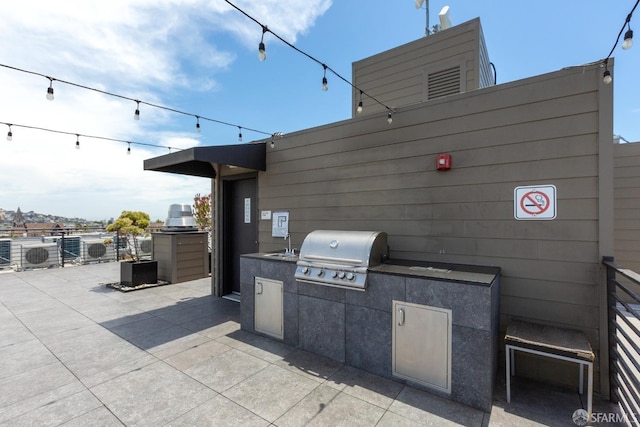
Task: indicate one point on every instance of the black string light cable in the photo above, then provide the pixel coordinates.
(261, 51)
(626, 44)
(78, 135)
(138, 102)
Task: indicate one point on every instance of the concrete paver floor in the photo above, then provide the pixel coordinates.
(76, 353)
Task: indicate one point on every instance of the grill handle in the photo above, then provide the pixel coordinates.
(338, 260)
(400, 316)
(258, 288)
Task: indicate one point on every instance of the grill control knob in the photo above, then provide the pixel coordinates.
(350, 276)
(320, 273)
(334, 274)
(305, 270)
(341, 275)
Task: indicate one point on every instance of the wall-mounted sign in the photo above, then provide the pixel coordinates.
(247, 210)
(535, 202)
(280, 224)
(265, 214)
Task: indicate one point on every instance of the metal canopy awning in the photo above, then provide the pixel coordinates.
(197, 161)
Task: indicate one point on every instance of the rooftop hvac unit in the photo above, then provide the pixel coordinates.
(5, 253)
(96, 251)
(71, 245)
(39, 255)
(145, 246)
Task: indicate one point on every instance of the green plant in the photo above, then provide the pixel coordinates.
(202, 211)
(202, 214)
(130, 225)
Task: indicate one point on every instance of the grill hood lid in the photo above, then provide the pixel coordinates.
(356, 248)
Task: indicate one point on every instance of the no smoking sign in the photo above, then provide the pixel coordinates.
(535, 202)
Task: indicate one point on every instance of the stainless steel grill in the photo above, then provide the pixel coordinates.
(340, 258)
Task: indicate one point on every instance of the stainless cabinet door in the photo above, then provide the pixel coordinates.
(422, 345)
(268, 307)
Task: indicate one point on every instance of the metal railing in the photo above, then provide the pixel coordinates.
(624, 338)
(54, 247)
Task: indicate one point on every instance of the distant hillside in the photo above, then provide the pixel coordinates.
(7, 217)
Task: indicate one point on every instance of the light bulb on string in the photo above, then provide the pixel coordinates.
(136, 115)
(359, 108)
(239, 134)
(9, 134)
(389, 118)
(129, 149)
(262, 54)
(325, 83)
(628, 39)
(606, 76)
(50, 89)
(77, 141)
(198, 124)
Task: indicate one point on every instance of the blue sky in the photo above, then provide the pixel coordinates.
(201, 57)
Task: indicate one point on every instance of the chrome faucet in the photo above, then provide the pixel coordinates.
(289, 251)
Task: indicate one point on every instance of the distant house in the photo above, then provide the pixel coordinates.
(35, 229)
(155, 227)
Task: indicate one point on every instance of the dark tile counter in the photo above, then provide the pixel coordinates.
(355, 327)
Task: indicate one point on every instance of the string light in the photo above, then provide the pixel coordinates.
(136, 115)
(50, 89)
(628, 38)
(626, 44)
(78, 135)
(129, 149)
(606, 76)
(198, 124)
(239, 134)
(162, 107)
(326, 67)
(389, 118)
(9, 134)
(262, 54)
(277, 135)
(325, 84)
(359, 108)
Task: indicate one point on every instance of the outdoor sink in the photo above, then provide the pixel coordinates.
(281, 255)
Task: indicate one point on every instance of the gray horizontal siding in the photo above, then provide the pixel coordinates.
(365, 174)
(396, 77)
(627, 205)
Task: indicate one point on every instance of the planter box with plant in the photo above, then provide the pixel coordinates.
(134, 272)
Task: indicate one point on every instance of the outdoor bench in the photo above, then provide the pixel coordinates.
(549, 341)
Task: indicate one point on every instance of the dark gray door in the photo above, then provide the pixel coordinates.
(240, 228)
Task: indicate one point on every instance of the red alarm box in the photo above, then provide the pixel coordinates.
(443, 162)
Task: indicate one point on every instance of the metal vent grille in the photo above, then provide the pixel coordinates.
(97, 250)
(443, 83)
(36, 255)
(5, 252)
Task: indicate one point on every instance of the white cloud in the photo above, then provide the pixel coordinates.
(123, 47)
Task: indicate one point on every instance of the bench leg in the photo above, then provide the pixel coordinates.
(581, 389)
(590, 389)
(508, 370)
(513, 362)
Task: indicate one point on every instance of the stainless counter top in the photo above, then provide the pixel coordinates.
(454, 272)
(273, 256)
